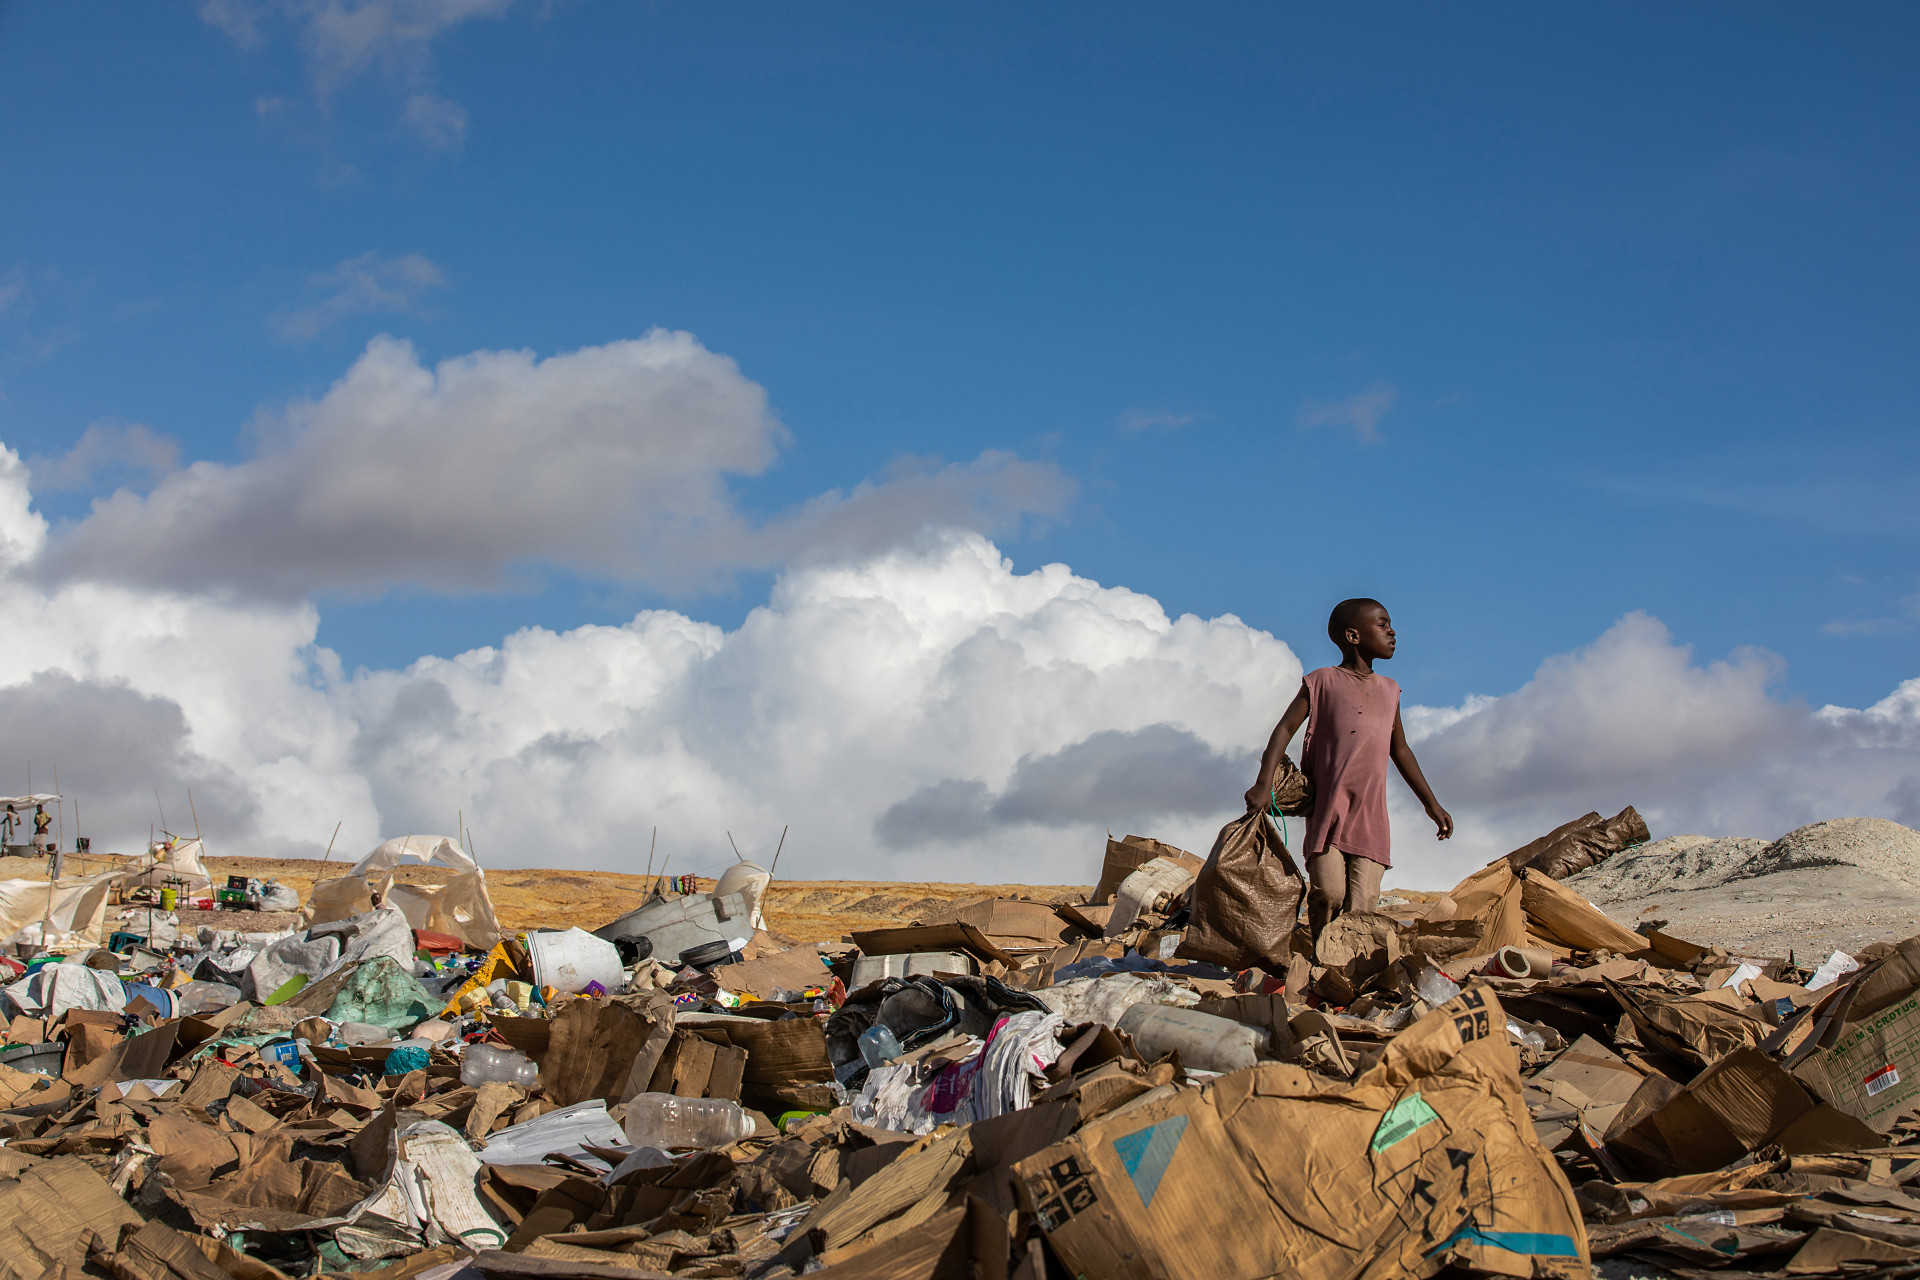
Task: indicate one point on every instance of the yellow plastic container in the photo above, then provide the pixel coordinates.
(169, 899)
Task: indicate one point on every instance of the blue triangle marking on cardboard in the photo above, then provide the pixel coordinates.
(1146, 1154)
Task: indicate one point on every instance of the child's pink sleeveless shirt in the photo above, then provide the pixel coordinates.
(1349, 733)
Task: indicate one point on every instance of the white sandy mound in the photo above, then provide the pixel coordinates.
(1679, 863)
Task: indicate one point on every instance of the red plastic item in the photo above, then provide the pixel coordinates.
(438, 944)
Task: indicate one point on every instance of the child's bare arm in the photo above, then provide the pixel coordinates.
(1290, 721)
(1410, 770)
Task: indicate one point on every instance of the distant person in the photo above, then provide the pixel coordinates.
(9, 825)
(42, 822)
(1352, 714)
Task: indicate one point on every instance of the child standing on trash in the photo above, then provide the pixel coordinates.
(1352, 714)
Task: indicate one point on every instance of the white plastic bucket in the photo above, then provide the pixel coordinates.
(568, 961)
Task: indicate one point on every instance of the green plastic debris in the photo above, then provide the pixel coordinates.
(287, 990)
(383, 993)
(408, 1057)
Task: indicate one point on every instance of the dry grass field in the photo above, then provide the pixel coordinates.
(805, 910)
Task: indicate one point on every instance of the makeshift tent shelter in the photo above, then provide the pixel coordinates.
(171, 860)
(23, 812)
(74, 910)
(460, 908)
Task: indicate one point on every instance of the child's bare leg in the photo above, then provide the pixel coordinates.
(1363, 877)
(1326, 889)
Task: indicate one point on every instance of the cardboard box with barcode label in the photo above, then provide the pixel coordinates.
(1428, 1159)
(1871, 1071)
(1858, 1048)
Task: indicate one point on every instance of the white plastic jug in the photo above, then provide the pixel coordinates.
(569, 960)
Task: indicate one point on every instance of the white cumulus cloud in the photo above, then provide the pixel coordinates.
(923, 712)
(614, 461)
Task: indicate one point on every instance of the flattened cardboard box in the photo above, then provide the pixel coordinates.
(1429, 1160)
(1872, 1071)
(1009, 922)
(1158, 1192)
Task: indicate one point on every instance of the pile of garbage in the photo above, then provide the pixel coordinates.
(1171, 1079)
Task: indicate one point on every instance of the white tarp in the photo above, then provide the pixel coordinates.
(460, 908)
(181, 861)
(52, 989)
(76, 909)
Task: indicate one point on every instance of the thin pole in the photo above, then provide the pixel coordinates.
(195, 812)
(663, 873)
(59, 812)
(331, 839)
(776, 853)
(46, 921)
(76, 834)
(737, 855)
(162, 808)
(651, 846)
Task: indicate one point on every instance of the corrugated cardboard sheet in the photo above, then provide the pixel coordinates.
(1427, 1159)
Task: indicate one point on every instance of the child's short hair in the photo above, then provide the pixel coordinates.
(1343, 616)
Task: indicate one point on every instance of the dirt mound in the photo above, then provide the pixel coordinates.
(1843, 883)
(1680, 864)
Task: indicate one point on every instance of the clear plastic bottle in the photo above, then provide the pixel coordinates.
(879, 1046)
(664, 1121)
(486, 1064)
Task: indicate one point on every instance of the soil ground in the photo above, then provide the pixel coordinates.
(1843, 884)
(806, 910)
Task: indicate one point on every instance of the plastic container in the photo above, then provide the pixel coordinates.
(680, 924)
(1203, 1040)
(664, 1121)
(169, 899)
(358, 1033)
(205, 997)
(568, 960)
(486, 1064)
(41, 1059)
(879, 1046)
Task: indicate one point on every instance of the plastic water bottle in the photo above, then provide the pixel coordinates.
(879, 1046)
(664, 1121)
(485, 1064)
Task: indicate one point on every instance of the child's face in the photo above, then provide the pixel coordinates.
(1372, 633)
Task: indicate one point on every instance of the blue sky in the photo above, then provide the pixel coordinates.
(1521, 318)
(1635, 283)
